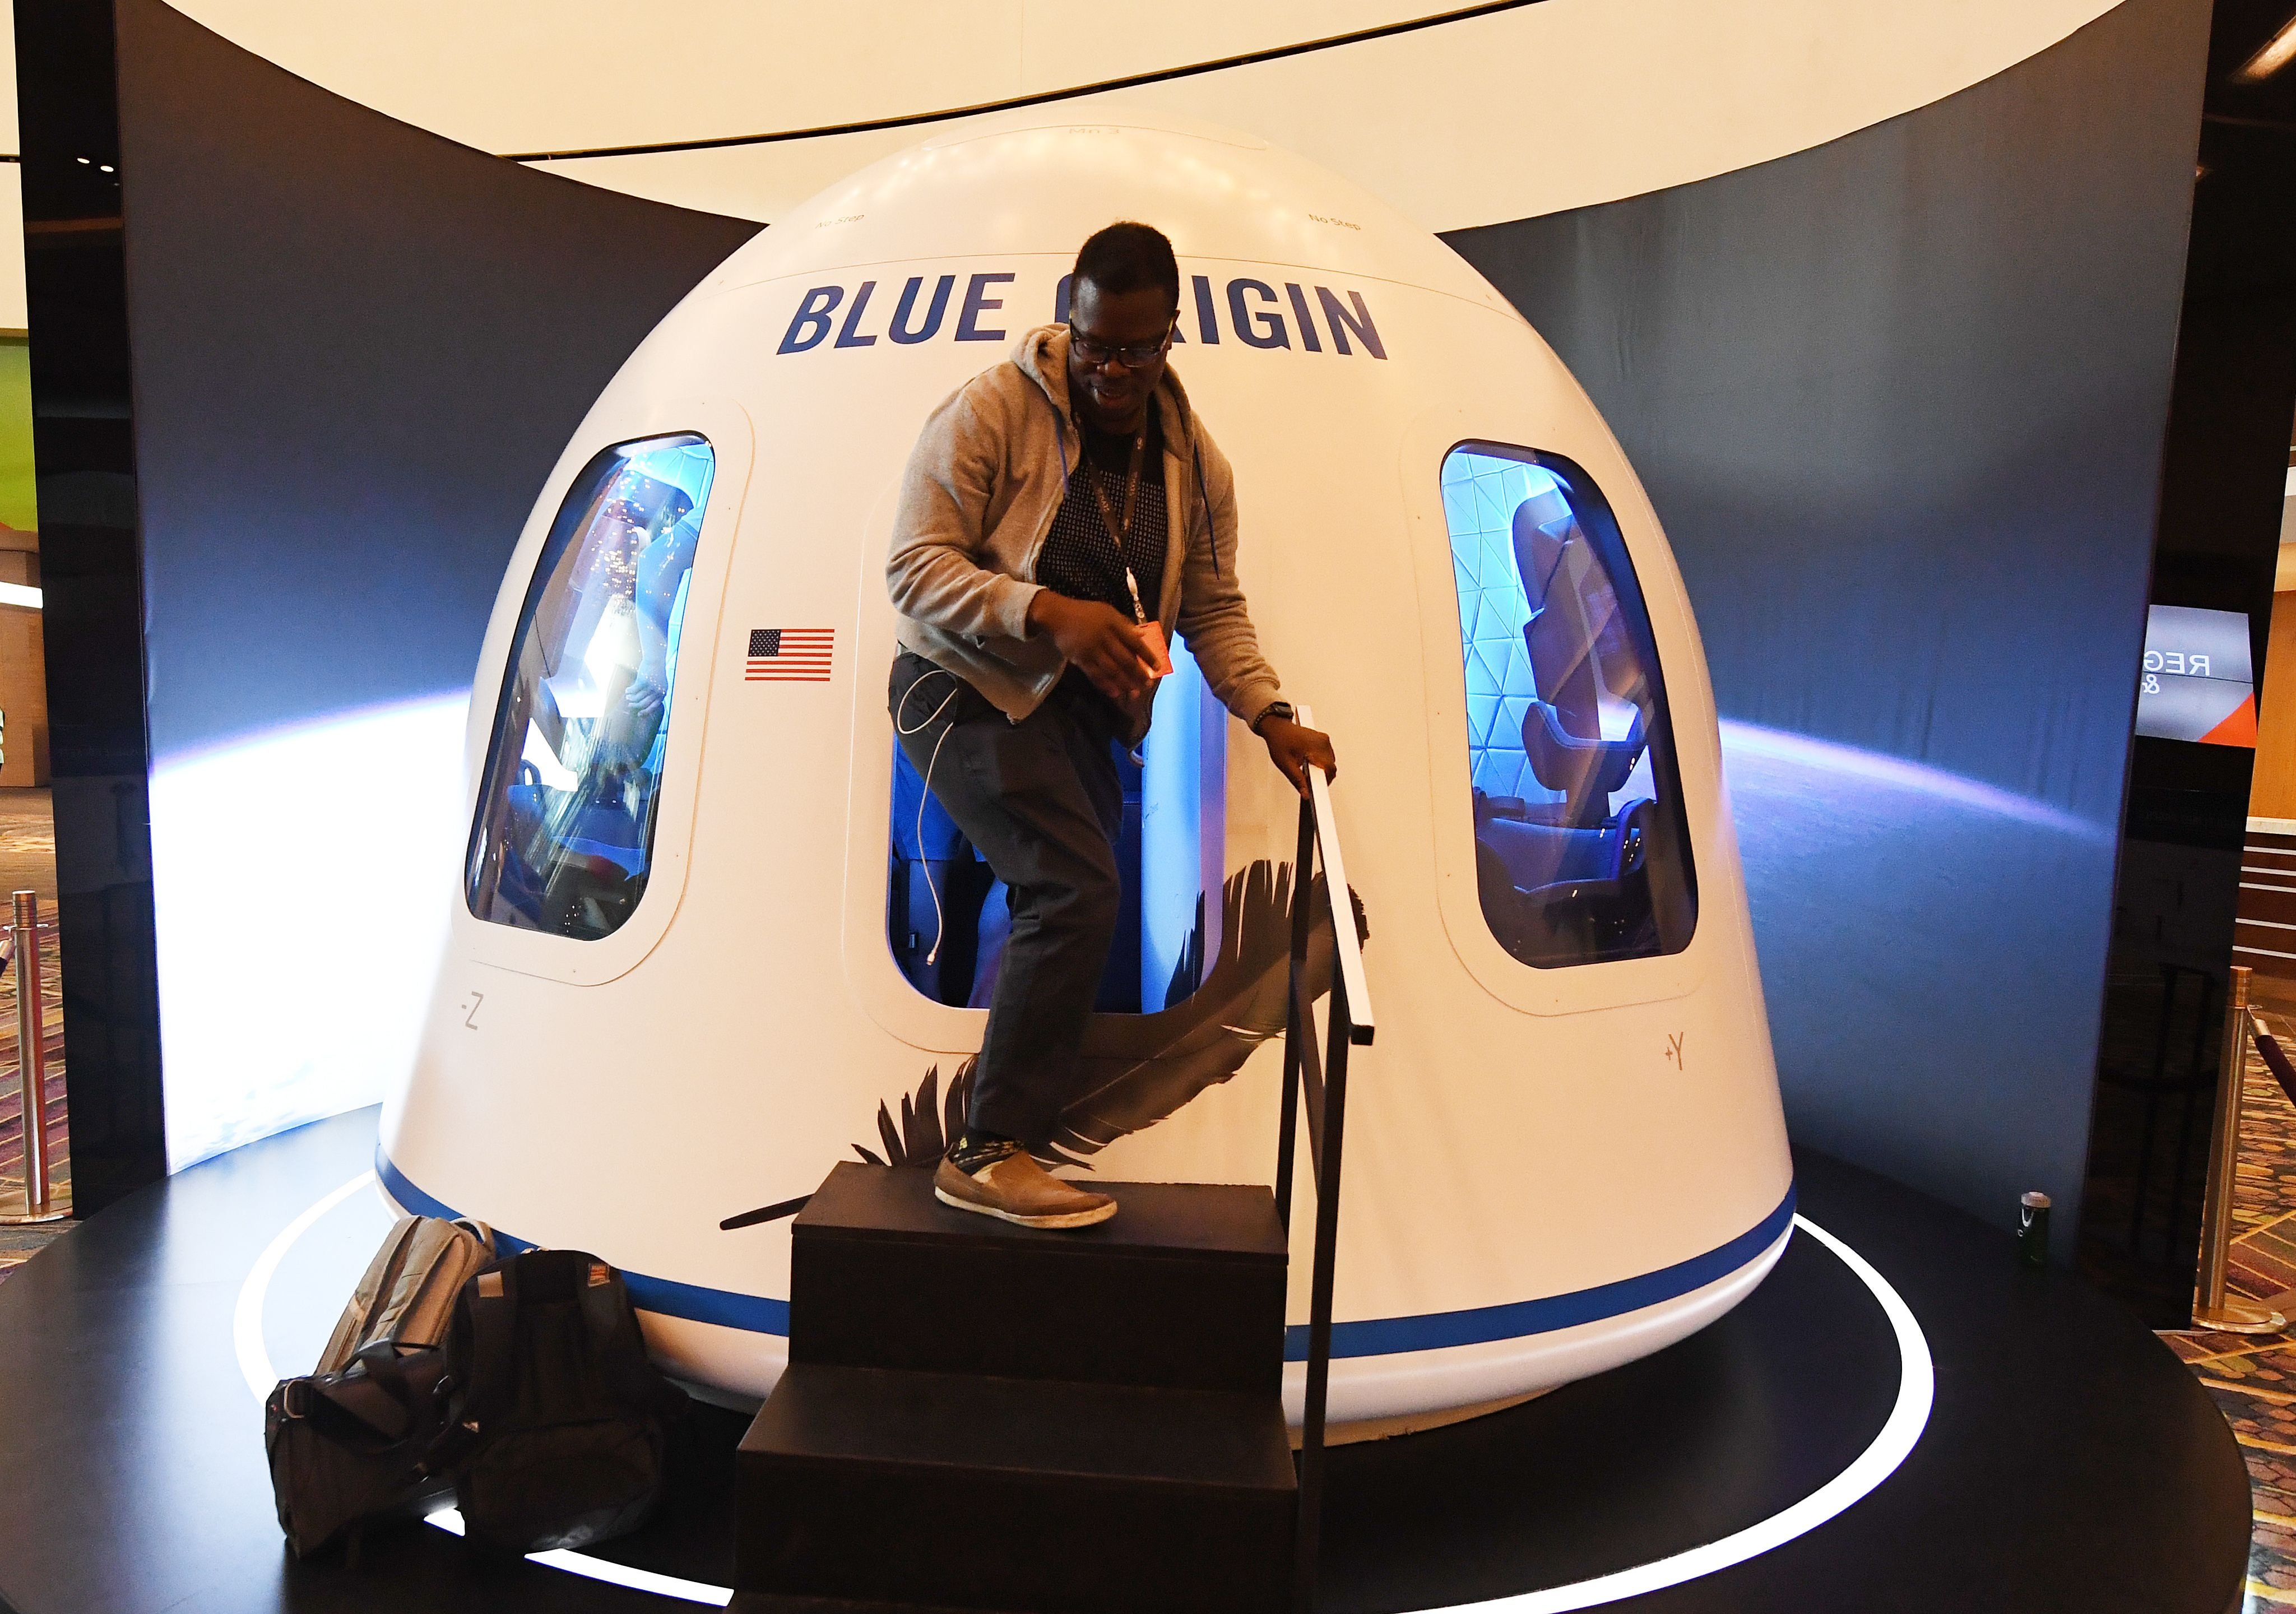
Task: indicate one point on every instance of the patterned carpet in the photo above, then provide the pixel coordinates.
(28, 862)
(2253, 1376)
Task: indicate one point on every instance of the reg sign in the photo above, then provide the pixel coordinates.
(2196, 683)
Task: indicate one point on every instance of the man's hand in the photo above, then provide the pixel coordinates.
(1119, 656)
(1295, 750)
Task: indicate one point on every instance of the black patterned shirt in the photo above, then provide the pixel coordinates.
(1079, 558)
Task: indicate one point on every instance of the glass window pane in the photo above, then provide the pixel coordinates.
(1582, 854)
(947, 916)
(565, 824)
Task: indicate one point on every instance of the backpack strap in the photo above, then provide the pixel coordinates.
(618, 1345)
(491, 1299)
(370, 1298)
(374, 1392)
(1211, 529)
(454, 1250)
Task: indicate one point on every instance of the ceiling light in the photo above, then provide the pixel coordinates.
(2277, 52)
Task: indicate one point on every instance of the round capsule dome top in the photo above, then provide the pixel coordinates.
(1028, 183)
(714, 936)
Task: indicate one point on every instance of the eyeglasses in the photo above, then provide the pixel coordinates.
(1139, 356)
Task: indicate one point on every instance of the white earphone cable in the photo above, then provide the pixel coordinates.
(940, 922)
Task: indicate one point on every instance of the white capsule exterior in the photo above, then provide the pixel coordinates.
(1549, 1171)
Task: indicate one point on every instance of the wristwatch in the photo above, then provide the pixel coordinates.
(1275, 708)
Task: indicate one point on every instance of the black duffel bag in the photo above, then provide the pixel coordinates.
(353, 1446)
(560, 1426)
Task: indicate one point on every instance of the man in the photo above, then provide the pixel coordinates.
(1062, 513)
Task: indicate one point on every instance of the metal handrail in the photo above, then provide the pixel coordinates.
(1319, 1085)
(1350, 945)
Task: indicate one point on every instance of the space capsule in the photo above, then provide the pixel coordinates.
(712, 935)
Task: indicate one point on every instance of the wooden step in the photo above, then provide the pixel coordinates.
(1183, 1289)
(1027, 1495)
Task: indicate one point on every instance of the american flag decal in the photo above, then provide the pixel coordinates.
(790, 655)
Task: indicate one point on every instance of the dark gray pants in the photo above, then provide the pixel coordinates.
(1040, 800)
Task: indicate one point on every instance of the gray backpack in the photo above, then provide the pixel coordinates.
(407, 1296)
(354, 1441)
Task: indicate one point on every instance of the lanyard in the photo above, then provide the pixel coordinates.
(1120, 537)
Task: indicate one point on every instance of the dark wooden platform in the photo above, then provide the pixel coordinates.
(1182, 1287)
(1004, 1418)
(2072, 1466)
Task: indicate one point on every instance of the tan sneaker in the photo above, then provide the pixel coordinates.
(1016, 1189)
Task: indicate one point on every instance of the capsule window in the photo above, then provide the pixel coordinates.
(563, 839)
(947, 915)
(1582, 852)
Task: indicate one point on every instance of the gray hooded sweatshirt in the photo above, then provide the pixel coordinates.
(983, 483)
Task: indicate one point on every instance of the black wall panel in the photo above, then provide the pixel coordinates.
(83, 438)
(2181, 850)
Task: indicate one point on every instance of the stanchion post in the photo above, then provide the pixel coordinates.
(2214, 1311)
(31, 1063)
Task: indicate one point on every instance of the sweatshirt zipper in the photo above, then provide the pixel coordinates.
(1060, 441)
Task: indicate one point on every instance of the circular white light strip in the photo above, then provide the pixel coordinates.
(247, 1316)
(1916, 1391)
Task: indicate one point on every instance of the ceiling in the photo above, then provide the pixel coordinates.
(553, 75)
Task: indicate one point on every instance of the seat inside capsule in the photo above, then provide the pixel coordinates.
(566, 826)
(1581, 853)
